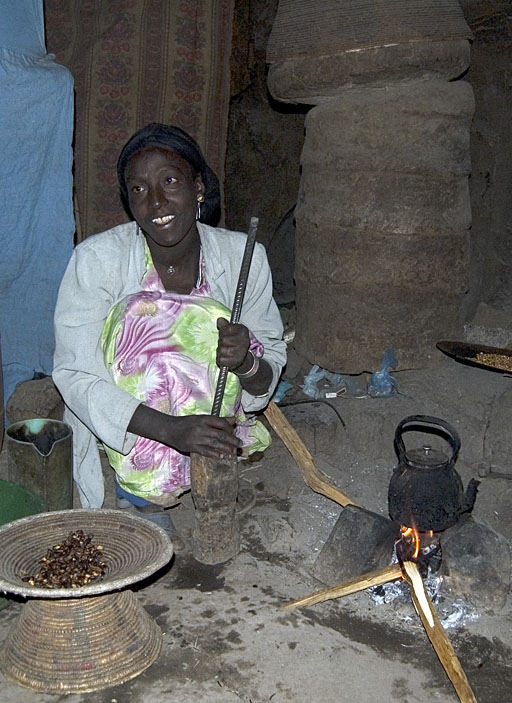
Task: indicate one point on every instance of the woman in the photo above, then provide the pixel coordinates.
(142, 325)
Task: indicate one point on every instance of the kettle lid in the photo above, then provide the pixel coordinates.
(426, 457)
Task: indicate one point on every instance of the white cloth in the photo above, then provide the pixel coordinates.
(104, 269)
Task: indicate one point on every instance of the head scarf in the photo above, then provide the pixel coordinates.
(179, 142)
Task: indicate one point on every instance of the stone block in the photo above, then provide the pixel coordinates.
(476, 564)
(360, 542)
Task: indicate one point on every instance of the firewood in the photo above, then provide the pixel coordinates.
(436, 634)
(373, 578)
(310, 473)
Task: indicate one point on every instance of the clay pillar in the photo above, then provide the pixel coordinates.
(383, 212)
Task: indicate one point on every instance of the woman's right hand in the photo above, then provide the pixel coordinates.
(208, 435)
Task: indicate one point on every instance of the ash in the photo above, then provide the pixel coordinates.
(452, 613)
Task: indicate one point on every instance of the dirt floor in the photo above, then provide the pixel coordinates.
(225, 638)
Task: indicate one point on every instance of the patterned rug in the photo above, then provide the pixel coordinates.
(134, 62)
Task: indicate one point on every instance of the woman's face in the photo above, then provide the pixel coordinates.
(162, 194)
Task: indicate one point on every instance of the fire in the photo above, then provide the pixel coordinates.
(412, 539)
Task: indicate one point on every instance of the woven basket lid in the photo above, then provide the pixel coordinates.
(133, 549)
(305, 29)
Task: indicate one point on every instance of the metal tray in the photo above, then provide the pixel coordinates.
(467, 353)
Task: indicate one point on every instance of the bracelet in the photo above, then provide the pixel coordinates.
(254, 368)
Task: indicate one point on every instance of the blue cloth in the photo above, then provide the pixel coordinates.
(36, 201)
(22, 27)
(133, 499)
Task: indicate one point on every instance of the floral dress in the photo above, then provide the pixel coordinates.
(161, 347)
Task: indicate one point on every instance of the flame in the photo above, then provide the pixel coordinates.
(412, 537)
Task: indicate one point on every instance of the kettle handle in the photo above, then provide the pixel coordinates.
(453, 438)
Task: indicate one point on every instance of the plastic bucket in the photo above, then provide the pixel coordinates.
(40, 458)
(1, 397)
(16, 502)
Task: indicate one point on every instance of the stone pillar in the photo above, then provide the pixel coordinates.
(383, 210)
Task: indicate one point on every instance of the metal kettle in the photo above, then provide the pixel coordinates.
(425, 490)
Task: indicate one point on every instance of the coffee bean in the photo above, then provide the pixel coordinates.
(73, 563)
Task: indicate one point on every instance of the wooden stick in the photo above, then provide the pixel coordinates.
(436, 634)
(373, 578)
(310, 473)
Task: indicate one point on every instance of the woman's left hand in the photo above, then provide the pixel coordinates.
(233, 344)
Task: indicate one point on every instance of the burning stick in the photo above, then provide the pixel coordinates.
(436, 633)
(373, 578)
(433, 627)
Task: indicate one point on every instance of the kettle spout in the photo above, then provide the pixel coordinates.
(470, 496)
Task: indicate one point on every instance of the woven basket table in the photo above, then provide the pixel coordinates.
(68, 640)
